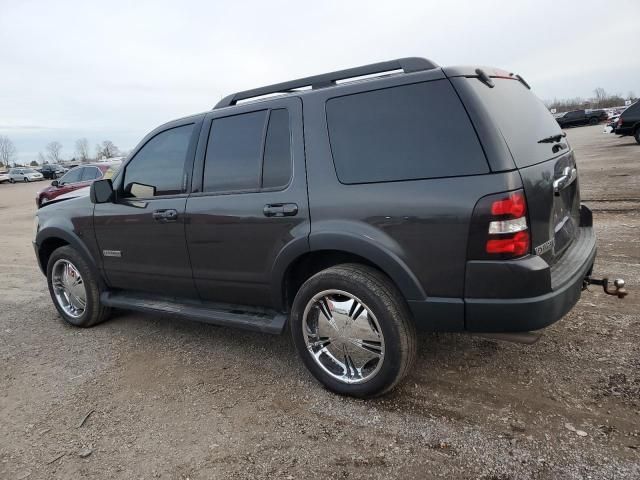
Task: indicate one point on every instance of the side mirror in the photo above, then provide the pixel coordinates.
(101, 191)
(55, 183)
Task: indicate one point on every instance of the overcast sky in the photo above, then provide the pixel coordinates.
(117, 69)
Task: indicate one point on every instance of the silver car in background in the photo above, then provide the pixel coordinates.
(24, 175)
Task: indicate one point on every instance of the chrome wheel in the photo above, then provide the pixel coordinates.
(343, 336)
(68, 288)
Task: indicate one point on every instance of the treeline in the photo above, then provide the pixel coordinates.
(53, 152)
(600, 99)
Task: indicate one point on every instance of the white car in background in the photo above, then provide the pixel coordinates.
(4, 177)
(24, 175)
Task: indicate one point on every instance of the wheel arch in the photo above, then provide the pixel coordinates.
(328, 249)
(50, 239)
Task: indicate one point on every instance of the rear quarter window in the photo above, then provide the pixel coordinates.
(407, 132)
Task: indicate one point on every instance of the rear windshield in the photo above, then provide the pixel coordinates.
(521, 117)
(633, 109)
(408, 132)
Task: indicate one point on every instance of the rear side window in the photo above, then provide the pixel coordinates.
(90, 173)
(276, 169)
(241, 155)
(521, 117)
(408, 132)
(234, 152)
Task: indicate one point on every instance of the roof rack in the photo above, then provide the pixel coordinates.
(408, 65)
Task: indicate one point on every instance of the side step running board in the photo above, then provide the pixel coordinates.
(225, 315)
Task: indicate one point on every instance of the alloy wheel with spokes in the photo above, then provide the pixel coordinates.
(343, 336)
(353, 330)
(69, 288)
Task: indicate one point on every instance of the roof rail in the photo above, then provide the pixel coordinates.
(408, 65)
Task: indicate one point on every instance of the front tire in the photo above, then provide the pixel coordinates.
(74, 289)
(353, 330)
(25, 179)
(11, 180)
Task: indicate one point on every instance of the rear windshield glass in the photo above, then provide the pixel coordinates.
(521, 117)
(403, 133)
(633, 109)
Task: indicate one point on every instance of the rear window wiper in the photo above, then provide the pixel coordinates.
(553, 138)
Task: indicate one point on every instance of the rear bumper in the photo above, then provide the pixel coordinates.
(562, 285)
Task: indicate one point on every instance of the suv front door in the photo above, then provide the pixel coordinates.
(249, 201)
(141, 234)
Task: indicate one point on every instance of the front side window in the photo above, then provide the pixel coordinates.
(160, 163)
(72, 176)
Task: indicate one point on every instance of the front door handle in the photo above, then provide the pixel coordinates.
(280, 210)
(169, 215)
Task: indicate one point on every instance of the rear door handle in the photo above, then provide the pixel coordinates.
(280, 210)
(169, 215)
(569, 174)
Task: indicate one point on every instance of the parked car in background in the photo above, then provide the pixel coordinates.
(4, 177)
(24, 175)
(75, 179)
(629, 122)
(581, 117)
(52, 170)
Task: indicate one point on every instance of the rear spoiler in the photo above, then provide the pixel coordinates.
(485, 74)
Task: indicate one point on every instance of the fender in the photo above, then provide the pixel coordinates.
(380, 254)
(73, 240)
(363, 246)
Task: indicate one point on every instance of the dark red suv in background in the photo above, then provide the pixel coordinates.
(78, 177)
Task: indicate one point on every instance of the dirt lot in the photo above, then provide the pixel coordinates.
(175, 399)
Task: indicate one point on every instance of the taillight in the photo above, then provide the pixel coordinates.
(514, 205)
(516, 245)
(499, 227)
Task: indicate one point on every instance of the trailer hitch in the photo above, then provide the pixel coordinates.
(617, 290)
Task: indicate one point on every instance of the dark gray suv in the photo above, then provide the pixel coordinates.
(352, 208)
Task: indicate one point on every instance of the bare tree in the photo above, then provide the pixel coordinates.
(53, 151)
(107, 150)
(42, 159)
(599, 94)
(7, 150)
(631, 95)
(82, 149)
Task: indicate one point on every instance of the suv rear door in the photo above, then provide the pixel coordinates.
(249, 200)
(527, 127)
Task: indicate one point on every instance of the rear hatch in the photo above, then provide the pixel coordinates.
(541, 154)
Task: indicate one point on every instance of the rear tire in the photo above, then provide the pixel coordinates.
(593, 121)
(637, 135)
(68, 276)
(25, 179)
(365, 343)
(11, 180)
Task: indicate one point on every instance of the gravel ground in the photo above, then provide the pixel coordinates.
(168, 398)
